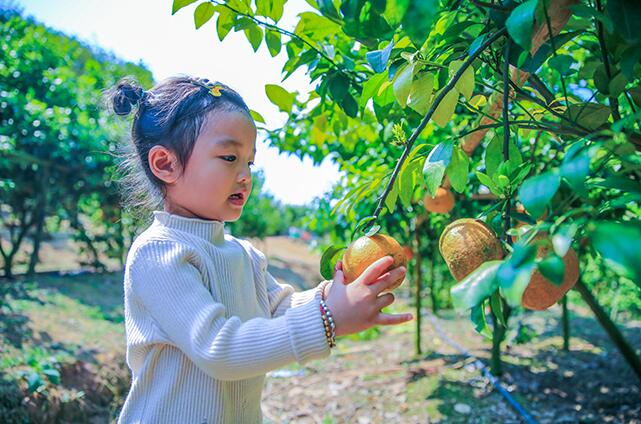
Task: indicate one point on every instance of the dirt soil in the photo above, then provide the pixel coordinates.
(375, 377)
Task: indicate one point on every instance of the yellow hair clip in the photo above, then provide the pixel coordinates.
(215, 90)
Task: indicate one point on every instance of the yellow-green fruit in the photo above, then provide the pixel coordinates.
(541, 293)
(368, 249)
(466, 244)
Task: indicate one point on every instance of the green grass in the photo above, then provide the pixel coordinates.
(47, 326)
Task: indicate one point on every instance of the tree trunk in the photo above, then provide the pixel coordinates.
(419, 278)
(565, 321)
(42, 214)
(610, 327)
(433, 294)
(498, 333)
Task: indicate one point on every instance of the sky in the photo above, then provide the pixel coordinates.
(144, 31)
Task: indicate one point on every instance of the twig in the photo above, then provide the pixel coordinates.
(428, 116)
(614, 103)
(506, 134)
(291, 34)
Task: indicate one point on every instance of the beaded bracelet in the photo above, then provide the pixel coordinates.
(322, 286)
(328, 323)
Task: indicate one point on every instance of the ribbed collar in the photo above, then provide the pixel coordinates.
(213, 231)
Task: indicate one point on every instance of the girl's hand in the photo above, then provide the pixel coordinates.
(357, 306)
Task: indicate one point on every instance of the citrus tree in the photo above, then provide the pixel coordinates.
(527, 110)
(57, 146)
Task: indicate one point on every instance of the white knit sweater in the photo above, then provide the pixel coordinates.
(205, 321)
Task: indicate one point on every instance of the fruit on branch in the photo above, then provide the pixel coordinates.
(541, 293)
(364, 251)
(467, 243)
(559, 12)
(442, 202)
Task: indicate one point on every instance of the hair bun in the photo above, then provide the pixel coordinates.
(127, 95)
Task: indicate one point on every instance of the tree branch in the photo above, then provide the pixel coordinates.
(276, 28)
(437, 101)
(614, 103)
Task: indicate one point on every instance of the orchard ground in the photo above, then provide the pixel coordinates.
(374, 377)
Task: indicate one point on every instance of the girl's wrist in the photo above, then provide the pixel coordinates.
(324, 288)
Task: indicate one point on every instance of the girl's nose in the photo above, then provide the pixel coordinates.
(245, 175)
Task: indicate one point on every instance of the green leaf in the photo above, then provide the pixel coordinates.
(421, 91)
(537, 192)
(407, 179)
(562, 63)
(629, 59)
(489, 183)
(272, 39)
(519, 24)
(445, 109)
(257, 116)
(270, 9)
(635, 93)
(626, 15)
(328, 10)
(476, 287)
(179, 4)
(514, 274)
(618, 243)
(255, 36)
(370, 88)
(552, 268)
(395, 11)
(618, 183)
(419, 18)
(226, 20)
(493, 156)
(435, 165)
(465, 85)
(496, 304)
(403, 83)
(458, 170)
(390, 200)
(589, 115)
(338, 86)
(378, 58)
(362, 223)
(617, 84)
(280, 97)
(328, 261)
(477, 43)
(477, 316)
(575, 169)
(349, 105)
(203, 13)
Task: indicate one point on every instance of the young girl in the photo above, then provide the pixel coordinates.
(205, 320)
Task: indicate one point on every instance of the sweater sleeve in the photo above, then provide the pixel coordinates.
(282, 296)
(164, 279)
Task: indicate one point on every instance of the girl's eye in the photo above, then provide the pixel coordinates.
(229, 158)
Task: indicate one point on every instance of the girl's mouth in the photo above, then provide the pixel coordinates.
(237, 199)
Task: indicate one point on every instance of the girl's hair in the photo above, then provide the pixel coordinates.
(171, 114)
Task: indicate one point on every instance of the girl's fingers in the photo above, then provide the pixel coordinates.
(339, 266)
(389, 319)
(375, 269)
(386, 275)
(384, 300)
(339, 278)
(388, 280)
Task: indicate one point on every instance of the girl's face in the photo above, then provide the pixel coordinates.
(216, 180)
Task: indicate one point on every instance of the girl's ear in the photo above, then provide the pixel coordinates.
(164, 164)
